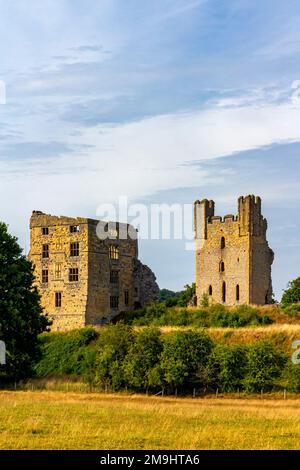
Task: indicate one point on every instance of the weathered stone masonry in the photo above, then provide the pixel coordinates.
(233, 258)
(82, 279)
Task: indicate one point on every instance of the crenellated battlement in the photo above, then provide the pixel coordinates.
(249, 217)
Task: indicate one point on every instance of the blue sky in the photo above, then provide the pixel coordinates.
(161, 100)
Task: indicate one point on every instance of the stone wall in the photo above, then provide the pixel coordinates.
(146, 287)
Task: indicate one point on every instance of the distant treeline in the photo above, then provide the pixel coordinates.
(119, 357)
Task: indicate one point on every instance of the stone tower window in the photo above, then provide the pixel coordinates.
(58, 271)
(126, 297)
(45, 251)
(45, 230)
(237, 292)
(57, 299)
(74, 228)
(222, 266)
(222, 243)
(224, 292)
(74, 249)
(210, 290)
(114, 302)
(113, 252)
(114, 277)
(73, 275)
(45, 276)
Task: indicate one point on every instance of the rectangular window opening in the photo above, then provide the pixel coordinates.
(74, 249)
(57, 299)
(73, 275)
(45, 251)
(45, 276)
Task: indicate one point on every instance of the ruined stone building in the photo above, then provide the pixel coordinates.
(83, 279)
(233, 258)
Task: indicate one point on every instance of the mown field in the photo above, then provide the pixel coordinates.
(56, 420)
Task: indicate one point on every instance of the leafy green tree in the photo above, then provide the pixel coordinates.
(21, 318)
(264, 365)
(187, 295)
(291, 377)
(142, 358)
(113, 344)
(227, 367)
(292, 294)
(183, 354)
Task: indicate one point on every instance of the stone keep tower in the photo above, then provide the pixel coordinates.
(82, 279)
(233, 258)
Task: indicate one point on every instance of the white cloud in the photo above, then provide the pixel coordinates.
(141, 158)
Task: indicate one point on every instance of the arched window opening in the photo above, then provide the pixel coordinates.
(222, 266)
(222, 243)
(210, 290)
(237, 293)
(224, 292)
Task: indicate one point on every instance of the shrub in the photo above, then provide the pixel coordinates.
(112, 347)
(238, 317)
(291, 377)
(182, 355)
(264, 365)
(142, 358)
(227, 367)
(204, 300)
(293, 310)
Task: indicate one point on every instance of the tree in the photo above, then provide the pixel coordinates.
(166, 294)
(264, 365)
(142, 358)
(227, 367)
(292, 294)
(21, 319)
(114, 343)
(181, 298)
(183, 355)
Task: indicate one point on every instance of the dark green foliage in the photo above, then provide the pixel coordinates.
(181, 298)
(117, 357)
(183, 354)
(215, 315)
(166, 294)
(291, 377)
(227, 367)
(264, 365)
(21, 319)
(187, 295)
(140, 364)
(292, 294)
(113, 345)
(240, 316)
(293, 310)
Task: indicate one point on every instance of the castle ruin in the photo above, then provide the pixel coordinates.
(233, 258)
(83, 279)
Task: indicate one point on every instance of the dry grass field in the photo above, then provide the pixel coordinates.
(57, 420)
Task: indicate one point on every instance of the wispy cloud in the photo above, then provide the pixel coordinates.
(181, 8)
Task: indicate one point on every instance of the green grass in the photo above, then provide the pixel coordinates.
(57, 420)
